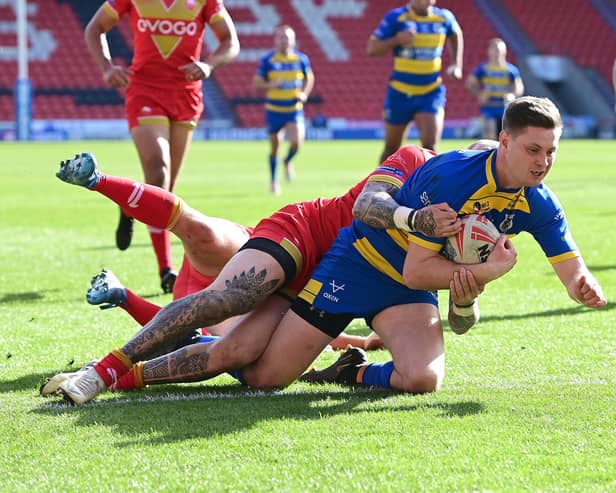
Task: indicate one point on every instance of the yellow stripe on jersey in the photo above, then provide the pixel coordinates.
(110, 10)
(283, 109)
(400, 238)
(285, 74)
(496, 81)
(385, 179)
(218, 16)
(414, 90)
(426, 40)
(376, 260)
(292, 250)
(487, 197)
(563, 256)
(282, 94)
(310, 291)
(421, 67)
(426, 244)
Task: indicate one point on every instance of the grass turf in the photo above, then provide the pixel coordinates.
(527, 404)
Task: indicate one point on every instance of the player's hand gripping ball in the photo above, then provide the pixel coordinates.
(474, 242)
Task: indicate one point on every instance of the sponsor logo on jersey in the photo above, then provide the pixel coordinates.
(168, 21)
(167, 27)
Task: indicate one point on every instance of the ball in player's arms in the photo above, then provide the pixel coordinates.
(474, 242)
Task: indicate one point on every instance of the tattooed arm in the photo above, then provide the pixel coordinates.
(463, 306)
(376, 207)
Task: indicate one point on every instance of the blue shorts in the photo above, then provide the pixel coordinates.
(493, 112)
(344, 286)
(400, 109)
(276, 121)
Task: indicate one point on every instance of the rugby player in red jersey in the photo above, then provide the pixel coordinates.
(163, 89)
(278, 259)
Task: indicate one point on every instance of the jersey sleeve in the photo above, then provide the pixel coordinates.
(305, 64)
(386, 28)
(479, 72)
(116, 8)
(451, 24)
(398, 167)
(263, 69)
(213, 11)
(551, 229)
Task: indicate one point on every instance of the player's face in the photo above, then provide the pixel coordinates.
(421, 6)
(529, 156)
(284, 40)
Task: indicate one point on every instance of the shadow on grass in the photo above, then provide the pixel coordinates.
(176, 413)
(574, 310)
(109, 246)
(26, 296)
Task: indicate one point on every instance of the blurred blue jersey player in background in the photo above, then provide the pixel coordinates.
(286, 78)
(416, 34)
(495, 83)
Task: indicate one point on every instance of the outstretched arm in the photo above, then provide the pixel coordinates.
(580, 283)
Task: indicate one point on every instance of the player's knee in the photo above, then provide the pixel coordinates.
(264, 380)
(157, 175)
(421, 380)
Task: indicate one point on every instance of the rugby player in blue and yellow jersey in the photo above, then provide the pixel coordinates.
(416, 34)
(390, 277)
(286, 78)
(495, 83)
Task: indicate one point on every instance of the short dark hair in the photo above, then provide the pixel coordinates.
(530, 111)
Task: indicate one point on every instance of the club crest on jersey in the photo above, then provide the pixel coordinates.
(507, 223)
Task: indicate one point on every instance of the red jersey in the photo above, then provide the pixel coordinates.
(310, 228)
(167, 34)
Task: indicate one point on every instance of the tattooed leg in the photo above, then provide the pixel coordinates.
(236, 349)
(248, 279)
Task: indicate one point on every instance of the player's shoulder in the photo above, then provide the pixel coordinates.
(444, 13)
(268, 56)
(541, 194)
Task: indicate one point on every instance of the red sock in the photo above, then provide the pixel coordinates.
(140, 309)
(146, 203)
(113, 366)
(161, 241)
(131, 380)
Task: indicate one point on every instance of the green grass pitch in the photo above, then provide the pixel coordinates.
(528, 402)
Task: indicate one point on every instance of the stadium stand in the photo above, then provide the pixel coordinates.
(573, 28)
(349, 84)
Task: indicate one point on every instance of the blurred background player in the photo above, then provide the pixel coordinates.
(495, 84)
(416, 34)
(285, 77)
(163, 99)
(614, 80)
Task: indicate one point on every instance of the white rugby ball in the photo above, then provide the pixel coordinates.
(474, 242)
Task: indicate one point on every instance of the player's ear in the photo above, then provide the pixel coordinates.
(504, 139)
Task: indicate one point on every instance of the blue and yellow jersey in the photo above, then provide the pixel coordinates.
(466, 180)
(496, 81)
(417, 66)
(292, 70)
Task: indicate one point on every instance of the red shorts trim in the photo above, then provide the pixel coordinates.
(147, 105)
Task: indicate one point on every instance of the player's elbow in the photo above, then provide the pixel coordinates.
(412, 279)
